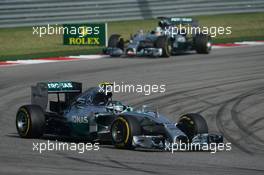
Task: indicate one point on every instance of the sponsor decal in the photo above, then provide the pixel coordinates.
(85, 34)
(80, 119)
(59, 85)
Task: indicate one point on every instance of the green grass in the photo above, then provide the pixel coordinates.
(19, 43)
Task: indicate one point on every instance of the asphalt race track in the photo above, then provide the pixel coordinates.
(227, 87)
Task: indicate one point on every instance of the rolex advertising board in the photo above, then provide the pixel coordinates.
(85, 34)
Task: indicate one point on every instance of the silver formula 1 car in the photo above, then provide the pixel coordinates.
(94, 115)
(169, 38)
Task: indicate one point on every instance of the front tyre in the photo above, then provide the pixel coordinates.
(122, 131)
(30, 121)
(192, 124)
(203, 44)
(163, 42)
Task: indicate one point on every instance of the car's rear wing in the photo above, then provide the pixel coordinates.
(39, 93)
(64, 87)
(179, 20)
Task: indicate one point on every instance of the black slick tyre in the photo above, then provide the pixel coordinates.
(116, 42)
(192, 124)
(30, 121)
(202, 44)
(164, 43)
(122, 131)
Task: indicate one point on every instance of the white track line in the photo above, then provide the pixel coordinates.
(251, 43)
(94, 57)
(89, 57)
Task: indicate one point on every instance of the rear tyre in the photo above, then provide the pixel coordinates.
(164, 43)
(30, 121)
(192, 124)
(202, 44)
(116, 42)
(122, 131)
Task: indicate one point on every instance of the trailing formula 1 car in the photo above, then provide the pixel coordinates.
(171, 37)
(94, 115)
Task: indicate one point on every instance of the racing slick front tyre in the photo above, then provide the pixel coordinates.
(192, 124)
(164, 43)
(122, 131)
(202, 44)
(30, 121)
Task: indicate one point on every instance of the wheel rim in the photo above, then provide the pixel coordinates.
(119, 132)
(22, 122)
(209, 46)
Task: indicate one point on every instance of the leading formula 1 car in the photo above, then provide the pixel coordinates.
(93, 115)
(171, 37)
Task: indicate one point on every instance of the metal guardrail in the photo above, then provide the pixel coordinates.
(18, 13)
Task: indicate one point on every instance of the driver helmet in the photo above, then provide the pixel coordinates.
(141, 32)
(118, 108)
(139, 35)
(163, 24)
(158, 31)
(115, 106)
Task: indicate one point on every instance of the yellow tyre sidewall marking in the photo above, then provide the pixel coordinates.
(185, 117)
(189, 120)
(28, 118)
(128, 129)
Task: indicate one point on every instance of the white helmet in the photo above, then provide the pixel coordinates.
(158, 30)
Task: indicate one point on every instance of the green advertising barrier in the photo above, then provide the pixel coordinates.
(85, 34)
